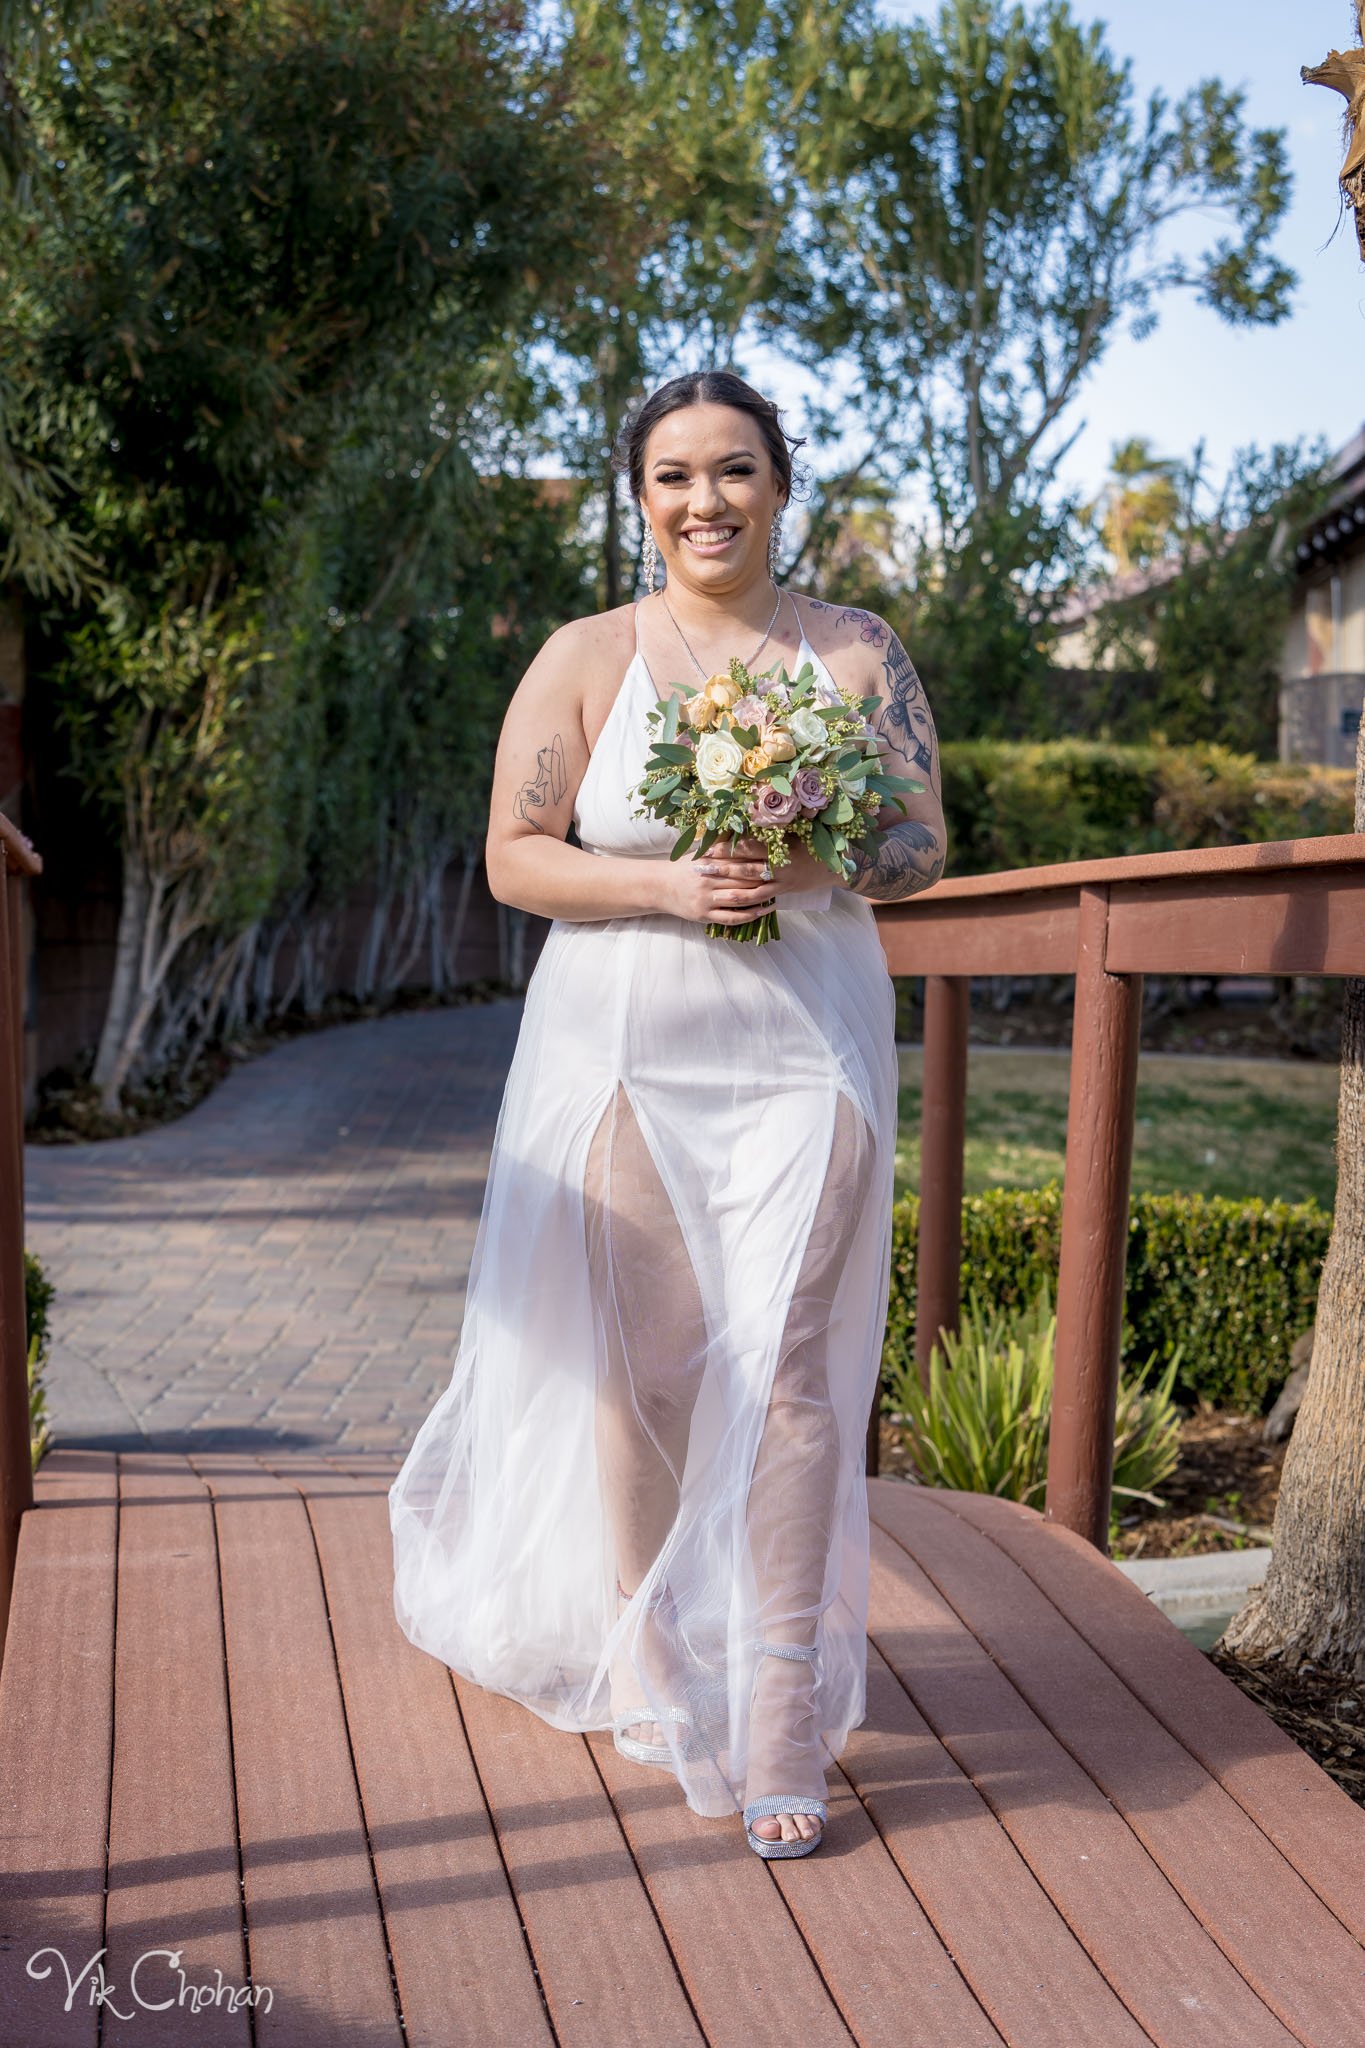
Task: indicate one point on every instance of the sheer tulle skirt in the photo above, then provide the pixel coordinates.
(671, 1342)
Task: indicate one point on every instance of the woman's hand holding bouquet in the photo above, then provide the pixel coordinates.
(761, 762)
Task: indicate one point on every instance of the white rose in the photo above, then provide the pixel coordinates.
(719, 761)
(806, 728)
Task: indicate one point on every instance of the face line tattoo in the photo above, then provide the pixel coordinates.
(550, 775)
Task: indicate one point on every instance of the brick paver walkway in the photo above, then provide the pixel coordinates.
(287, 1263)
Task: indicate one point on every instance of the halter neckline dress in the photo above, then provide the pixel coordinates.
(673, 1320)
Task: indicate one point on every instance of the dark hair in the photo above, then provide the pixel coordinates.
(704, 387)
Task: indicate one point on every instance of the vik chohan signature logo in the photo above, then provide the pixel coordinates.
(156, 1982)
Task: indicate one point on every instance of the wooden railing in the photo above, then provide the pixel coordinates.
(16, 1463)
(1294, 907)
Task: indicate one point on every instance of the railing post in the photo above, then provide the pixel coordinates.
(16, 1457)
(943, 1137)
(943, 1129)
(1099, 1158)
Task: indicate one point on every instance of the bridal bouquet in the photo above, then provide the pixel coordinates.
(760, 756)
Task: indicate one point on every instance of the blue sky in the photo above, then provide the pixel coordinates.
(1195, 376)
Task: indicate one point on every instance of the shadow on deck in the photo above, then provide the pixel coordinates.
(1058, 1825)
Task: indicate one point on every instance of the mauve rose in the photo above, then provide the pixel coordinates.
(750, 710)
(809, 790)
(769, 806)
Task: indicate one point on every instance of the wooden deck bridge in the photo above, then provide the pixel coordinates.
(239, 1807)
(1059, 1824)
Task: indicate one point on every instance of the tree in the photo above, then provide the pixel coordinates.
(257, 208)
(1344, 72)
(1212, 632)
(1137, 508)
(1312, 1603)
(691, 117)
(993, 211)
(423, 582)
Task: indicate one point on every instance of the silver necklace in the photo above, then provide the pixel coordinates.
(688, 644)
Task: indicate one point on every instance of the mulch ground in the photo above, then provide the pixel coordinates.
(1226, 1475)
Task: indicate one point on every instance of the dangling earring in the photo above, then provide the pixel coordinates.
(774, 543)
(649, 558)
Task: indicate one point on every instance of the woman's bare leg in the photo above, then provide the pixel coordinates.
(793, 1493)
(654, 1353)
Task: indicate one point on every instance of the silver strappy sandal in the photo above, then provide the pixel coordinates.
(775, 1803)
(660, 1754)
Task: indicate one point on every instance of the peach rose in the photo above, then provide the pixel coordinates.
(722, 691)
(698, 712)
(780, 745)
(756, 760)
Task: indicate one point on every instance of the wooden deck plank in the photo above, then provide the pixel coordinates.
(1097, 1873)
(173, 1870)
(56, 1706)
(606, 1971)
(1312, 1822)
(1064, 1782)
(464, 1972)
(1015, 1952)
(314, 1929)
(1234, 1879)
(844, 1919)
(703, 1876)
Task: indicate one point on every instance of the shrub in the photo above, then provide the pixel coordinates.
(1228, 1285)
(983, 1423)
(1013, 805)
(38, 1293)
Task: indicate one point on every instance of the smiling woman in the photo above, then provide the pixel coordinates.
(640, 1503)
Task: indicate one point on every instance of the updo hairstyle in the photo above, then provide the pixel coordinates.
(706, 387)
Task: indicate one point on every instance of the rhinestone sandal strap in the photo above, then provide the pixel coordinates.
(807, 1654)
(784, 1802)
(634, 1715)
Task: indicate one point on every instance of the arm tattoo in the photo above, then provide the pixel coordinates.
(905, 720)
(908, 856)
(900, 862)
(547, 786)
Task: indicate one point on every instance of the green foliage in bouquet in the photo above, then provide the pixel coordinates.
(758, 755)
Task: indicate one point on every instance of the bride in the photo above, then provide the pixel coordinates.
(640, 1502)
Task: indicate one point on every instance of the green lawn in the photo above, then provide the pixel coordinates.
(1211, 1126)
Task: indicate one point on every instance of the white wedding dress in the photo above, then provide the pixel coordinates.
(672, 1330)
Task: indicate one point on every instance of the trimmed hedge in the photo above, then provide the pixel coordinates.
(1022, 805)
(1232, 1283)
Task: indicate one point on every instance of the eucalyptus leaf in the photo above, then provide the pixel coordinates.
(822, 840)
